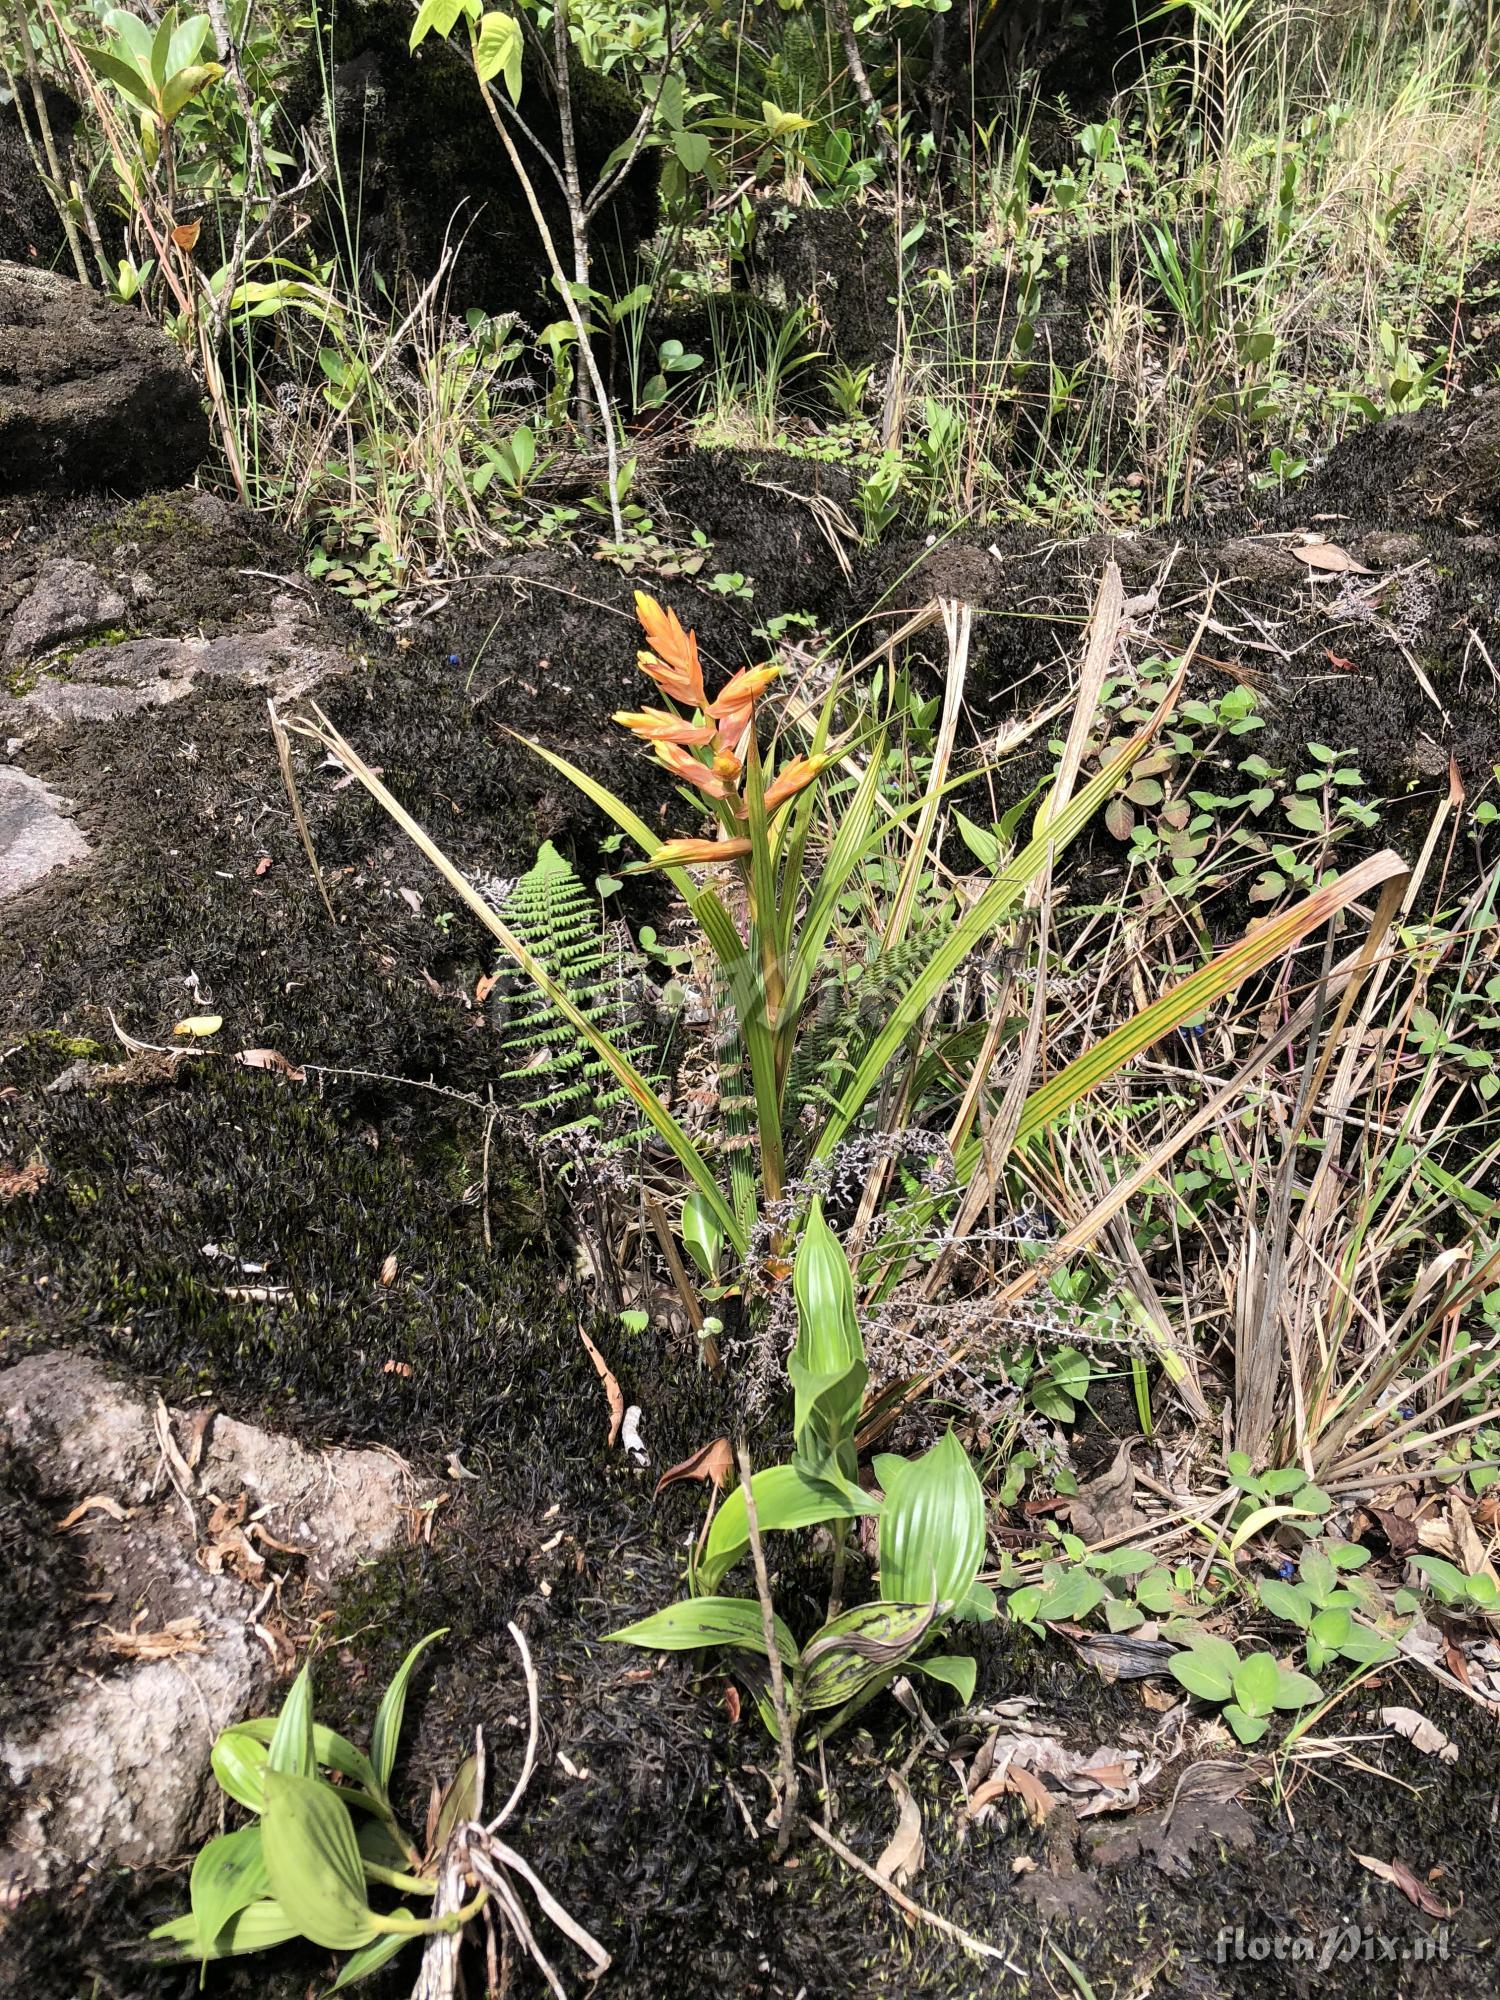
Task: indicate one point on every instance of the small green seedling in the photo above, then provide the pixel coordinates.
(1250, 1689)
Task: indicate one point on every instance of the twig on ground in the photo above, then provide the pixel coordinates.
(789, 1780)
(904, 1902)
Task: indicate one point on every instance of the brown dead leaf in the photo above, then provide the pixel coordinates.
(271, 1059)
(902, 1856)
(1418, 1731)
(1328, 558)
(1400, 1530)
(181, 1635)
(611, 1388)
(1401, 1877)
(484, 986)
(186, 234)
(1339, 663)
(97, 1503)
(732, 1702)
(713, 1462)
(262, 866)
(1105, 1507)
(18, 1181)
(388, 1270)
(1026, 1785)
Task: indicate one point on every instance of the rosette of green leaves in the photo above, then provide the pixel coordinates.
(304, 1866)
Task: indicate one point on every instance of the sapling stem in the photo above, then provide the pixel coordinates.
(789, 1782)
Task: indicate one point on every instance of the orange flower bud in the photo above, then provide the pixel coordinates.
(675, 668)
(682, 764)
(742, 690)
(791, 779)
(656, 726)
(691, 853)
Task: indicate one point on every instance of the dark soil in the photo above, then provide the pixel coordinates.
(640, 1831)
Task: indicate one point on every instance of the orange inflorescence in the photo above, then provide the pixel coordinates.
(720, 727)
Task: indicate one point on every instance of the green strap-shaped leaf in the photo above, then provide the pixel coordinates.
(707, 1621)
(312, 1858)
(392, 1708)
(997, 902)
(291, 1746)
(827, 1364)
(1201, 989)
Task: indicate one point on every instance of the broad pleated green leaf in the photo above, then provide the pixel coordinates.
(239, 1761)
(785, 1497)
(291, 1747)
(228, 1875)
(931, 1526)
(312, 1857)
(369, 1958)
(708, 1621)
(827, 1365)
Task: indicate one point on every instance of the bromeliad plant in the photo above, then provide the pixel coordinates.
(930, 1528)
(804, 835)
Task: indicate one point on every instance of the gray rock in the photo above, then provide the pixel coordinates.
(118, 1773)
(36, 834)
(67, 599)
(93, 396)
(108, 682)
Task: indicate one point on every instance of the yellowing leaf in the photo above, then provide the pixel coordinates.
(200, 1025)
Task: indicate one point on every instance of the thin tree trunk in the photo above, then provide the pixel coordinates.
(560, 278)
(573, 195)
(49, 143)
(860, 79)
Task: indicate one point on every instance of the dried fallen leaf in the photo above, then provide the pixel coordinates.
(1329, 558)
(732, 1702)
(186, 234)
(1401, 1877)
(1105, 1508)
(388, 1270)
(1026, 1785)
(713, 1461)
(271, 1059)
(901, 1858)
(18, 1181)
(484, 986)
(263, 865)
(199, 1025)
(1339, 663)
(611, 1388)
(1424, 1735)
(181, 1635)
(97, 1503)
